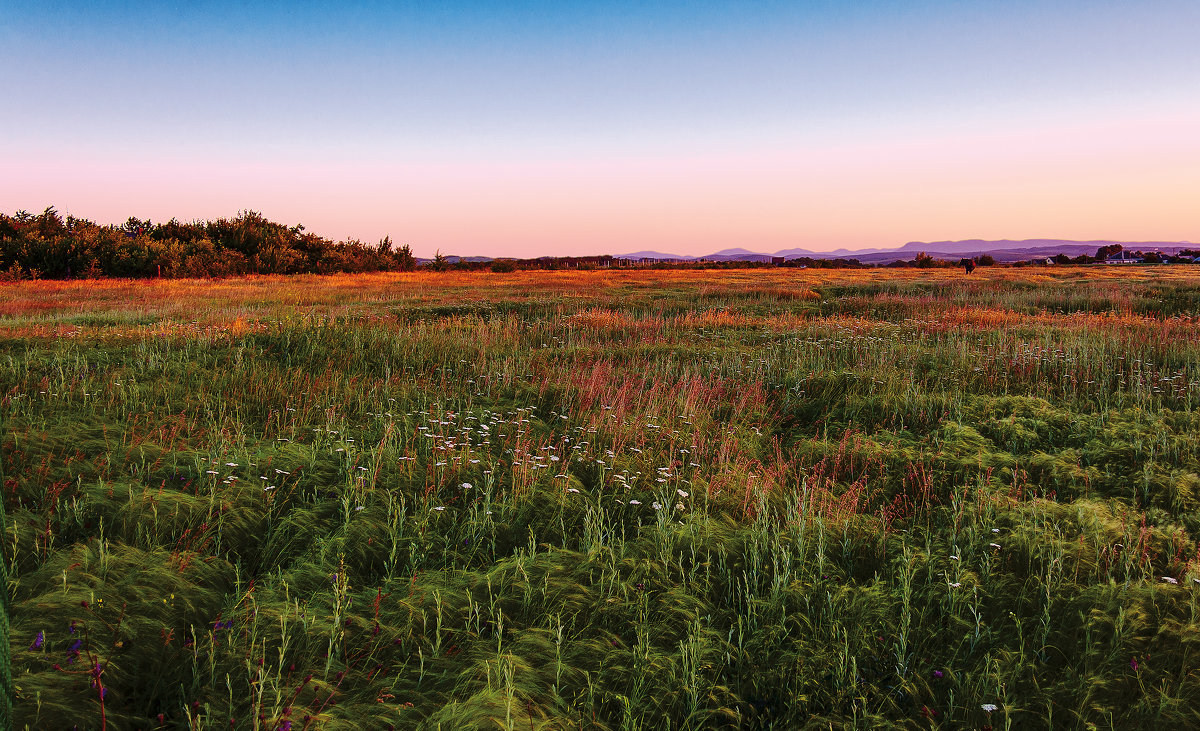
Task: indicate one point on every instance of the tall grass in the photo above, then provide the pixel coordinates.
(606, 501)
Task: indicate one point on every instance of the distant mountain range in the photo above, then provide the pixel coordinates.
(1000, 250)
(1004, 250)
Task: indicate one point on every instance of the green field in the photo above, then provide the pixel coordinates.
(591, 500)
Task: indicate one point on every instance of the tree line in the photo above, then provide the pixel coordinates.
(55, 247)
(52, 246)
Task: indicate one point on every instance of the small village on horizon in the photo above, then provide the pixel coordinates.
(914, 253)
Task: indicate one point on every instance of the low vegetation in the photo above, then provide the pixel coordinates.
(53, 247)
(770, 499)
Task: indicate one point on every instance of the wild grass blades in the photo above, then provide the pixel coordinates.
(658, 499)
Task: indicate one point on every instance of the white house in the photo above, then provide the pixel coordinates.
(1124, 257)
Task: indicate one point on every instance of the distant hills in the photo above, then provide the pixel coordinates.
(971, 245)
(1001, 250)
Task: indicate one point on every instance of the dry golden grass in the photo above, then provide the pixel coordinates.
(253, 297)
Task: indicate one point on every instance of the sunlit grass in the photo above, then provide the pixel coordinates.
(629, 499)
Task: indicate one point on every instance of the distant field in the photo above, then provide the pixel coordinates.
(605, 500)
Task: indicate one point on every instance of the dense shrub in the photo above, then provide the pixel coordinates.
(49, 246)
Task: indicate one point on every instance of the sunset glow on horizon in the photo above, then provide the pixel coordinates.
(527, 129)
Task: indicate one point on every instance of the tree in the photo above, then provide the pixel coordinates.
(440, 263)
(405, 261)
(134, 227)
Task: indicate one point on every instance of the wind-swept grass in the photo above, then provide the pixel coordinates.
(744, 499)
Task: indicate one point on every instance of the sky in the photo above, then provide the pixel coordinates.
(574, 128)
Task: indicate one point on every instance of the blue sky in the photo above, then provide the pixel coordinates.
(533, 128)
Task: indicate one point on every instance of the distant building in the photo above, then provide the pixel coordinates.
(577, 262)
(1125, 257)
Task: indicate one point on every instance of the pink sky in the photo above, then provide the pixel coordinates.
(1009, 129)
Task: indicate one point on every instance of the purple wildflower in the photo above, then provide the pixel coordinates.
(937, 674)
(38, 641)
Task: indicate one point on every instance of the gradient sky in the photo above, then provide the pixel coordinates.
(531, 128)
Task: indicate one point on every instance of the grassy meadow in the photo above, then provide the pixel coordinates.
(751, 499)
